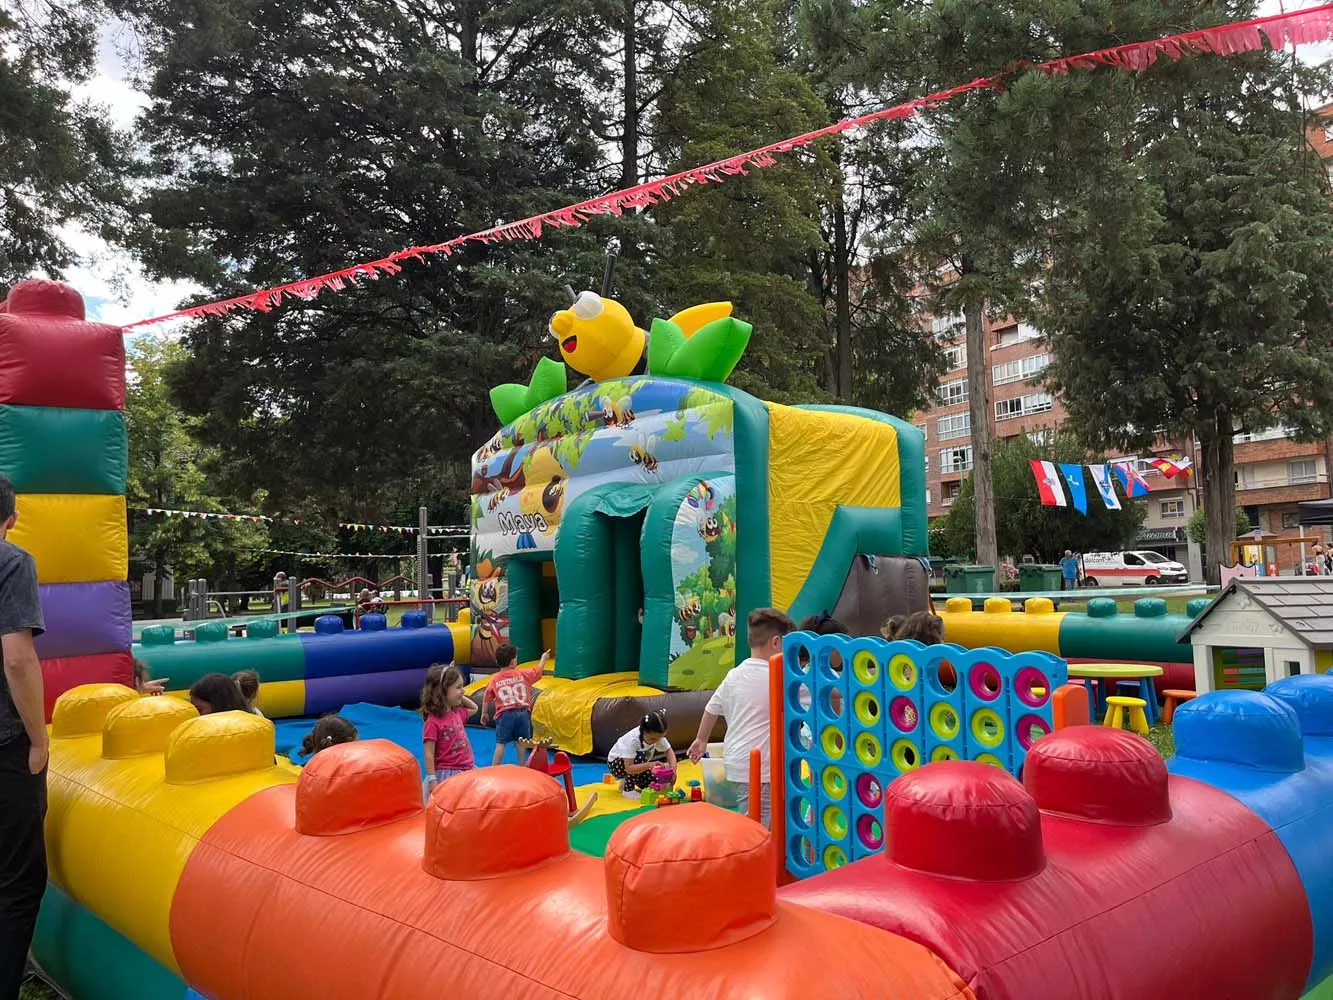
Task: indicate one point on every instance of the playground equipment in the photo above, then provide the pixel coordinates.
(181, 855)
(859, 713)
(304, 673)
(1149, 635)
(632, 524)
(232, 876)
(1239, 826)
(63, 445)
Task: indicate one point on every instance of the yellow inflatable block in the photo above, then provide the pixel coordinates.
(281, 699)
(74, 539)
(564, 711)
(999, 625)
(461, 632)
(144, 726)
(809, 480)
(97, 806)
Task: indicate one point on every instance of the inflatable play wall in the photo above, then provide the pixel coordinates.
(63, 444)
(858, 714)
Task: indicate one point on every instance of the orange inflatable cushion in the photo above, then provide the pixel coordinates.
(494, 821)
(356, 786)
(689, 880)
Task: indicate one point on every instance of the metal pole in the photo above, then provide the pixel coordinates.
(293, 604)
(423, 569)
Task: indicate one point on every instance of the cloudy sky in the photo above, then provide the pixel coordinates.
(117, 290)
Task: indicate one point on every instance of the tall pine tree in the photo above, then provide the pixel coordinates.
(1200, 306)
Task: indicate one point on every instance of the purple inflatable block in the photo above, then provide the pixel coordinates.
(392, 687)
(84, 618)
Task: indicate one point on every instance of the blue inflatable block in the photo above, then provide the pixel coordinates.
(328, 625)
(364, 652)
(1249, 745)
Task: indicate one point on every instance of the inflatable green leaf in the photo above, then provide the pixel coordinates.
(511, 400)
(710, 355)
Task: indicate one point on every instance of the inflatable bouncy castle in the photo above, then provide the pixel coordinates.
(63, 445)
(632, 524)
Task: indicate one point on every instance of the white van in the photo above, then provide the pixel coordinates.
(1140, 568)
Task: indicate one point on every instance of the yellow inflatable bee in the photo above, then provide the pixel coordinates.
(598, 338)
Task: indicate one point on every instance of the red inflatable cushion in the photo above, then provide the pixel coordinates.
(1212, 878)
(50, 356)
(63, 673)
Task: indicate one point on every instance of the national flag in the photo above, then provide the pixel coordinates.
(1049, 484)
(1102, 477)
(1165, 466)
(1135, 485)
(1185, 466)
(1078, 489)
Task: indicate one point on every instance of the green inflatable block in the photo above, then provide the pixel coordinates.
(279, 659)
(93, 961)
(53, 449)
(158, 635)
(1112, 637)
(265, 628)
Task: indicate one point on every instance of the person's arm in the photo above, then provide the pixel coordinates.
(23, 672)
(428, 755)
(671, 757)
(20, 622)
(487, 704)
(700, 745)
(156, 686)
(469, 704)
(633, 768)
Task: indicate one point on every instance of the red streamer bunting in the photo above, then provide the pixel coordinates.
(1278, 31)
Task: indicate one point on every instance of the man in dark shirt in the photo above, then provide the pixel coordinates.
(24, 747)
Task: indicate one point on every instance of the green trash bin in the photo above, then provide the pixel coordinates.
(1034, 578)
(970, 579)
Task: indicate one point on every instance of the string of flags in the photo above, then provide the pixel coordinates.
(397, 529)
(336, 555)
(1062, 484)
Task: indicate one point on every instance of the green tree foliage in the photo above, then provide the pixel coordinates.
(876, 354)
(59, 158)
(1198, 531)
(293, 139)
(750, 239)
(994, 166)
(1201, 305)
(167, 471)
(1023, 525)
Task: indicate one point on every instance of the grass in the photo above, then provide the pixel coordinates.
(1163, 740)
(37, 990)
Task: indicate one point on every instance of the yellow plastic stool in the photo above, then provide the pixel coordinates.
(1116, 708)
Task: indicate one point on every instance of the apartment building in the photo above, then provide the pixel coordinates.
(1016, 357)
(1273, 472)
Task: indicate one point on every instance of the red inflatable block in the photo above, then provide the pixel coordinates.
(63, 673)
(1133, 858)
(51, 356)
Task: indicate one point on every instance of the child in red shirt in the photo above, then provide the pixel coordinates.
(509, 698)
(444, 745)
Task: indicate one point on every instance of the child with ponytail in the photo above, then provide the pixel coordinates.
(636, 753)
(445, 747)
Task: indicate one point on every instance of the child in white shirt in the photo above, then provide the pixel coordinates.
(636, 753)
(742, 699)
